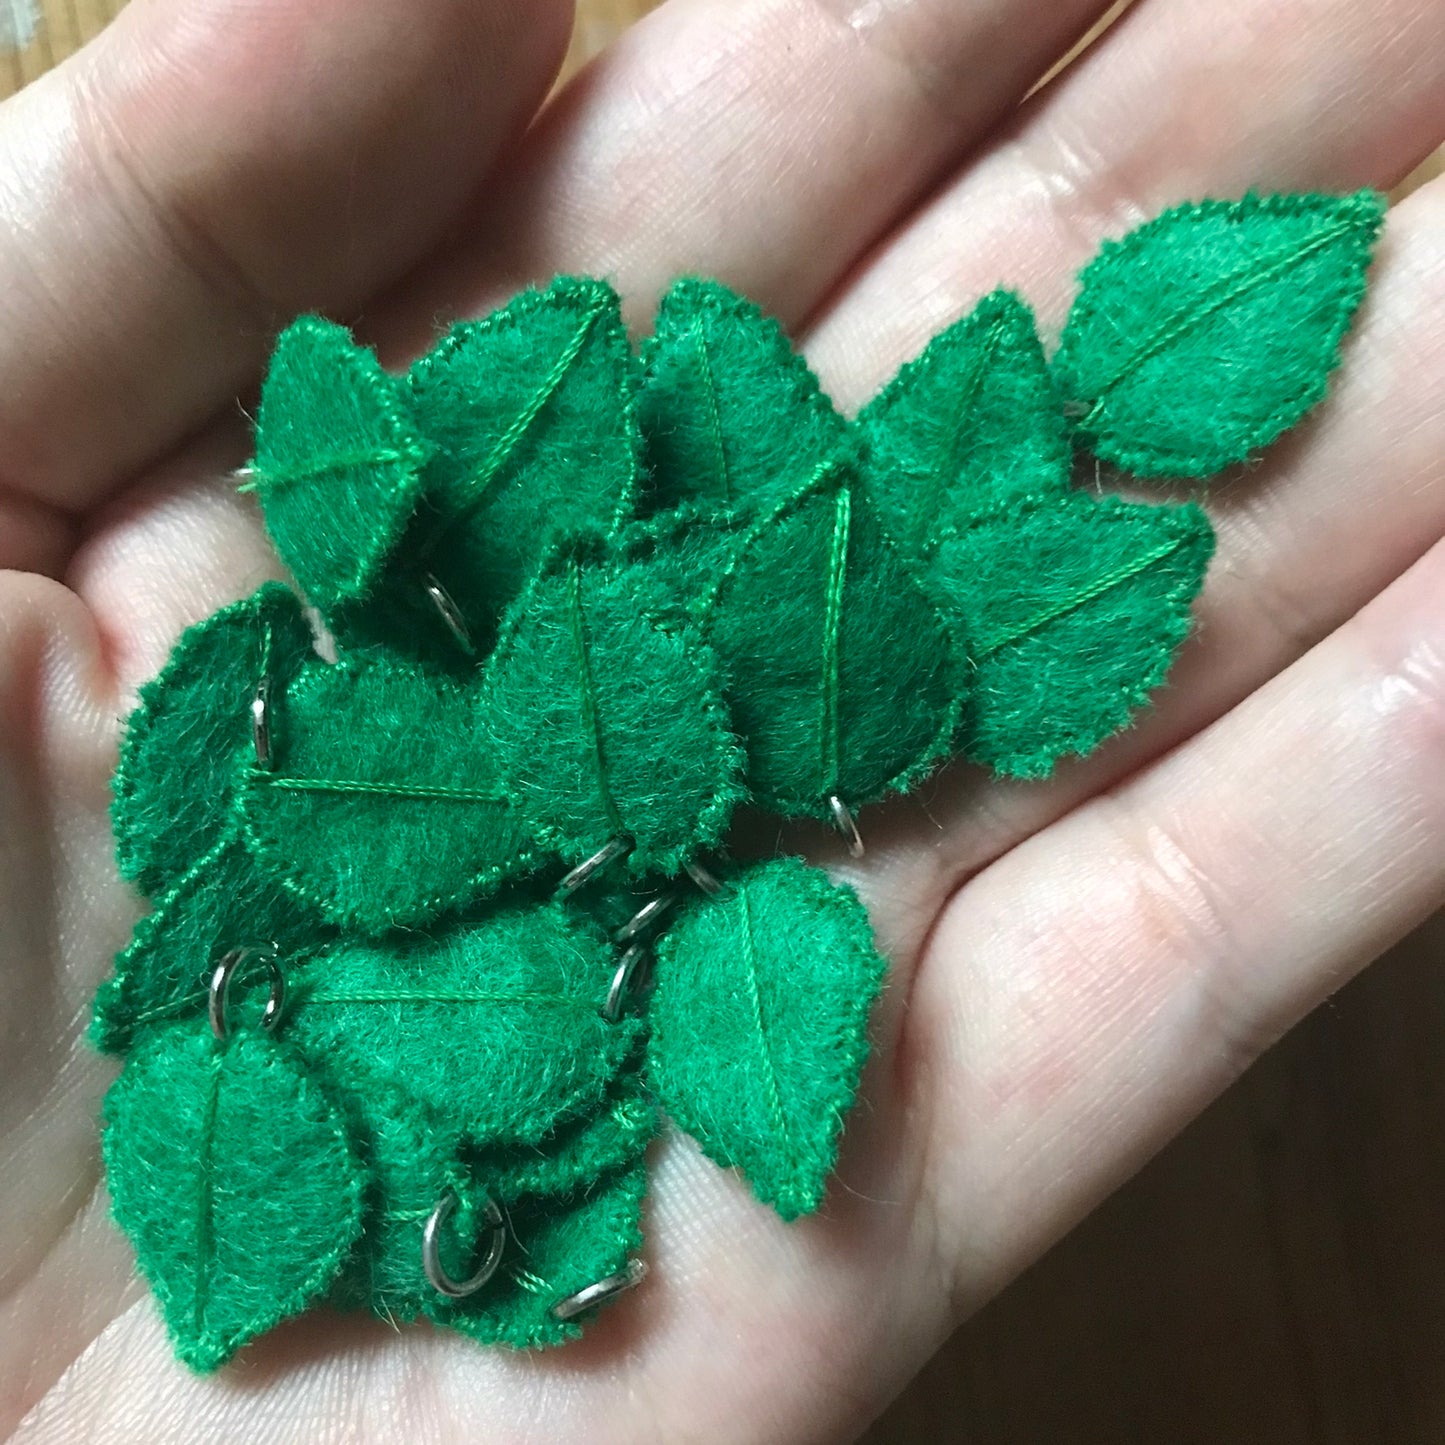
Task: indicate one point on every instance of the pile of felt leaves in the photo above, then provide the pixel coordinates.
(415, 845)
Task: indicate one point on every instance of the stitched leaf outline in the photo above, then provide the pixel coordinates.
(1205, 333)
(759, 1021)
(338, 461)
(970, 424)
(236, 1182)
(383, 806)
(1075, 609)
(733, 417)
(841, 671)
(531, 411)
(182, 744)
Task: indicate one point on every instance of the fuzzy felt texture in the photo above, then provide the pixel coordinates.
(759, 1022)
(733, 418)
(1206, 332)
(531, 413)
(495, 1026)
(1076, 608)
(223, 902)
(842, 673)
(190, 728)
(384, 805)
(338, 461)
(607, 722)
(558, 1244)
(234, 1178)
(968, 425)
(578, 1149)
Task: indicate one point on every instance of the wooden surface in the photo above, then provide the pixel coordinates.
(1275, 1277)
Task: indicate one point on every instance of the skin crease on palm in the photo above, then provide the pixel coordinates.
(1078, 966)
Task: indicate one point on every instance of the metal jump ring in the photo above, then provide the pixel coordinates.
(623, 982)
(601, 1292)
(843, 822)
(431, 1261)
(646, 916)
(704, 877)
(227, 969)
(614, 850)
(261, 722)
(449, 612)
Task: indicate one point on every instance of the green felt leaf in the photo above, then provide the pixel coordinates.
(759, 1020)
(531, 412)
(1074, 610)
(178, 758)
(338, 461)
(234, 1178)
(969, 424)
(559, 1244)
(841, 671)
(495, 1026)
(732, 416)
(383, 805)
(223, 902)
(609, 722)
(1204, 334)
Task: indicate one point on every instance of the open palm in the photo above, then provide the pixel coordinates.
(1078, 965)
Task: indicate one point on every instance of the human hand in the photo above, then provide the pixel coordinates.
(1078, 965)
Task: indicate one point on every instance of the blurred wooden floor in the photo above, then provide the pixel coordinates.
(1275, 1277)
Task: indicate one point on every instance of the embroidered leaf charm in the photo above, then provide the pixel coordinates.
(758, 1025)
(223, 902)
(184, 741)
(494, 1026)
(1211, 329)
(969, 424)
(637, 739)
(1074, 609)
(233, 1176)
(531, 411)
(732, 415)
(841, 671)
(338, 461)
(559, 1245)
(382, 806)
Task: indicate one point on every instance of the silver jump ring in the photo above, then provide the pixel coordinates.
(431, 1261)
(227, 969)
(261, 722)
(601, 1292)
(844, 823)
(614, 850)
(625, 981)
(449, 612)
(649, 914)
(706, 880)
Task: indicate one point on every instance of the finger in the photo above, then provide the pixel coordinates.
(765, 142)
(1178, 101)
(1088, 993)
(207, 168)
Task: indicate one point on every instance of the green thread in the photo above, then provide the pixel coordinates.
(591, 724)
(755, 999)
(967, 397)
(1231, 288)
(422, 792)
(714, 418)
(829, 741)
(1081, 598)
(514, 435)
(327, 466)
